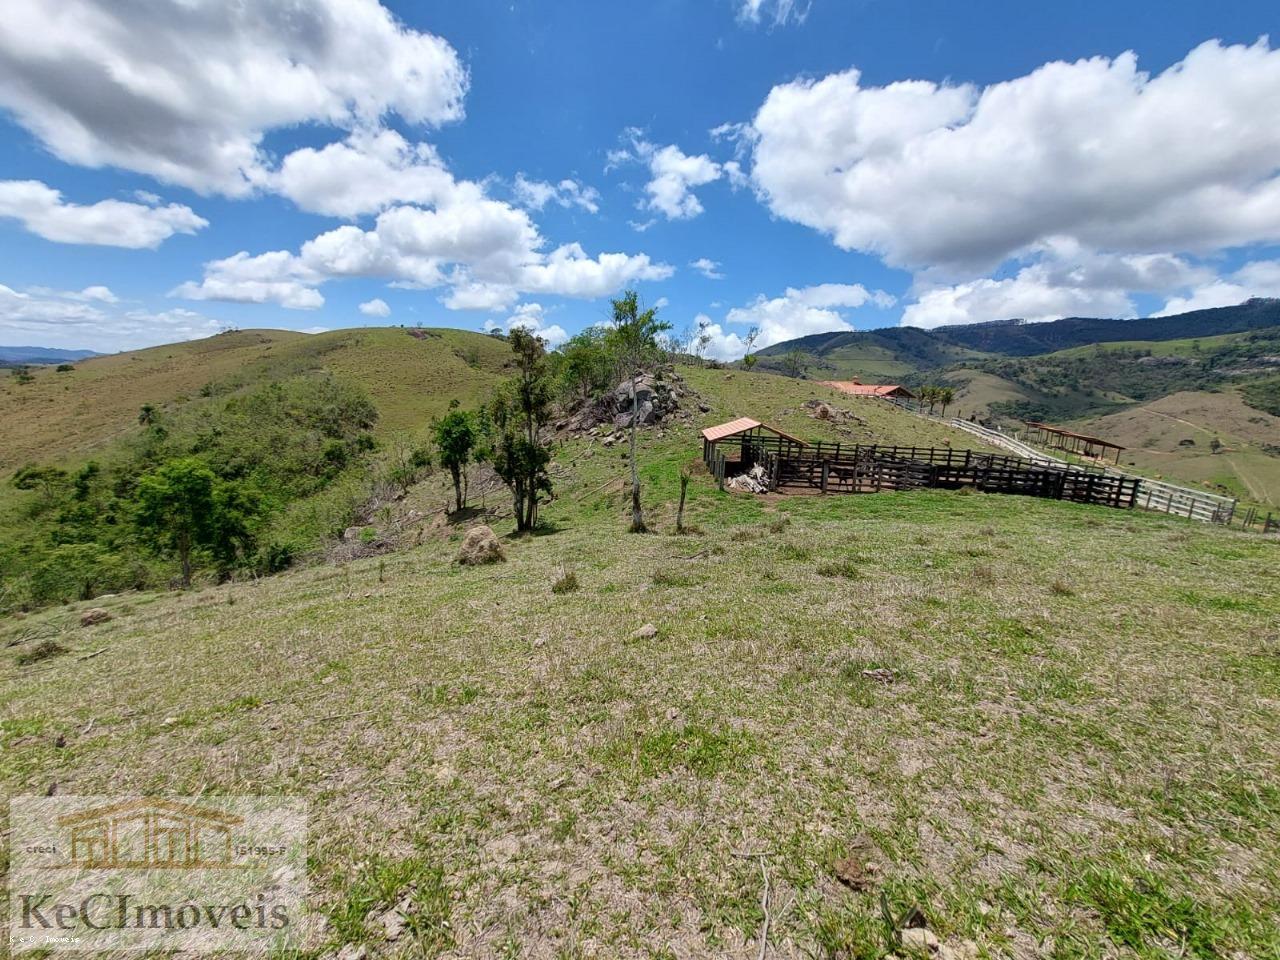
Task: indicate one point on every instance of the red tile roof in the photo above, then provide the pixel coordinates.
(856, 389)
(742, 425)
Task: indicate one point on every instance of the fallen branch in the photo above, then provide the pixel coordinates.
(90, 656)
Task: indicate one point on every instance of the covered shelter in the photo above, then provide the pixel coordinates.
(853, 388)
(740, 444)
(1081, 444)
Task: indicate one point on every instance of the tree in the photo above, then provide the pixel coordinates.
(929, 395)
(634, 342)
(176, 508)
(147, 415)
(518, 414)
(793, 364)
(583, 365)
(946, 397)
(749, 358)
(455, 437)
(702, 341)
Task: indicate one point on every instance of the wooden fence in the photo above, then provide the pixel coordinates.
(1152, 494)
(874, 468)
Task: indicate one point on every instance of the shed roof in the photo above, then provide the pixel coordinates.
(856, 389)
(742, 425)
(1096, 441)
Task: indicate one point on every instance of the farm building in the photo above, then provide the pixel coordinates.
(855, 389)
(743, 442)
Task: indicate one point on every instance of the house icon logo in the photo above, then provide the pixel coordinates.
(150, 834)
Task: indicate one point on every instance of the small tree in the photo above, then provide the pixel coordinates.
(793, 364)
(147, 415)
(176, 509)
(518, 414)
(749, 358)
(701, 342)
(455, 437)
(634, 342)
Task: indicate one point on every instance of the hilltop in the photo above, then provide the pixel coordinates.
(849, 700)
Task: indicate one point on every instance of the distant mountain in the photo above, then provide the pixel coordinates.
(1017, 338)
(913, 355)
(11, 355)
(899, 351)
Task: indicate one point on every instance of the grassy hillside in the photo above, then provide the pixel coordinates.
(899, 353)
(540, 777)
(911, 354)
(83, 410)
(1247, 465)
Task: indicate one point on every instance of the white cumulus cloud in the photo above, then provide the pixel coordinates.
(111, 223)
(673, 176)
(376, 307)
(69, 320)
(185, 92)
(536, 194)
(708, 268)
(1260, 278)
(803, 311)
(1095, 151)
(485, 252)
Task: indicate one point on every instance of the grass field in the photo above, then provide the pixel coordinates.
(1075, 754)
(1154, 434)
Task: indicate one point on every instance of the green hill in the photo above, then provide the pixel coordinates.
(410, 374)
(910, 353)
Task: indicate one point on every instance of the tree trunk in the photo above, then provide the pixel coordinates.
(637, 515)
(457, 485)
(684, 485)
(184, 554)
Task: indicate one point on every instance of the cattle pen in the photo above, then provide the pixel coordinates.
(787, 464)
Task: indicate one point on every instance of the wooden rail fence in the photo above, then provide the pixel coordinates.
(863, 468)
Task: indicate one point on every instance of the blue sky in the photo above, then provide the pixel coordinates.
(743, 163)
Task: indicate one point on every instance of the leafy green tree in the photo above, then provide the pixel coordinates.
(456, 436)
(181, 506)
(583, 364)
(518, 414)
(634, 343)
(147, 414)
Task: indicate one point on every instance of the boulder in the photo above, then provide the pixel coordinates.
(94, 615)
(480, 545)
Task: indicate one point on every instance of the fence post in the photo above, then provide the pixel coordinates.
(826, 465)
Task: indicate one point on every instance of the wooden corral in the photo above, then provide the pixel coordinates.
(793, 466)
(872, 469)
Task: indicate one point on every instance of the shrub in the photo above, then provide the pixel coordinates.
(43, 651)
(567, 582)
